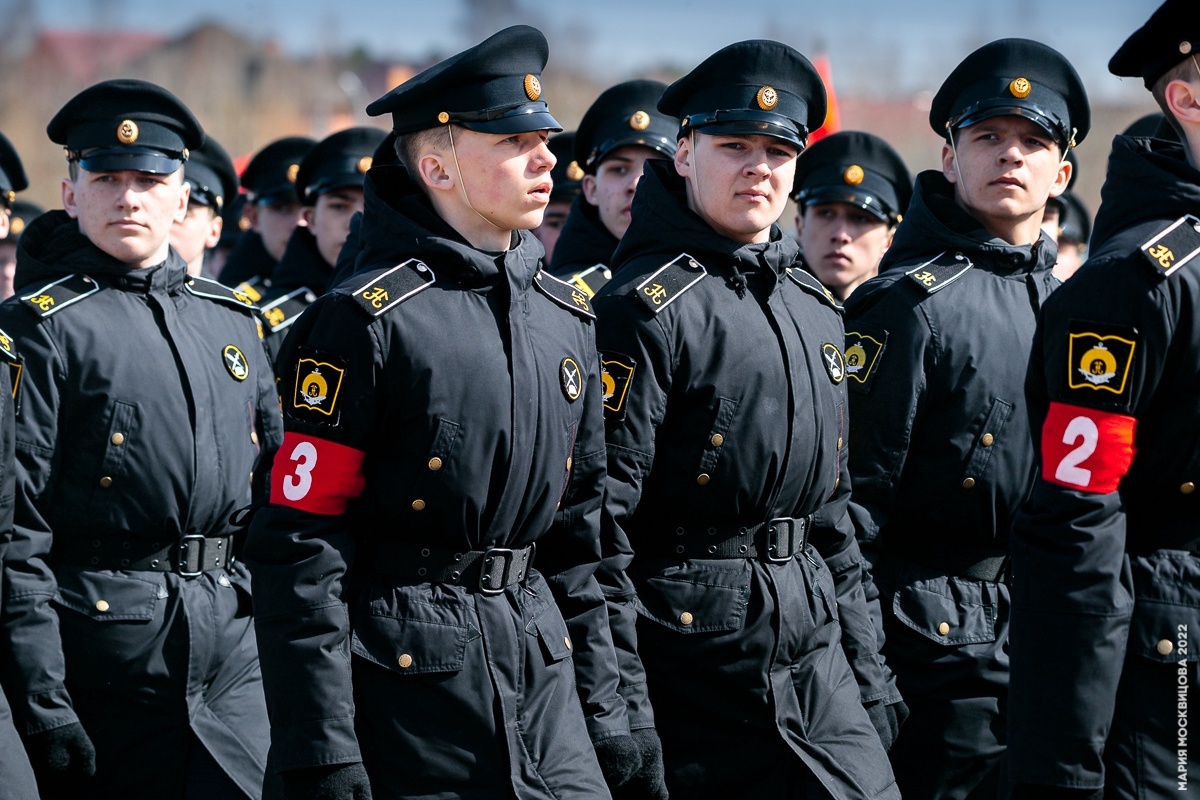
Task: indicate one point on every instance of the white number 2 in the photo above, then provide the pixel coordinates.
(296, 486)
(1084, 431)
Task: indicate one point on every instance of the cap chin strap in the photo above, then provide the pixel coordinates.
(961, 182)
(695, 166)
(462, 183)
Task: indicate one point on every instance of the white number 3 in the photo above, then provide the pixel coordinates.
(1084, 431)
(296, 486)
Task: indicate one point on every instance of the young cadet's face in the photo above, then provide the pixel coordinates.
(199, 230)
(506, 176)
(1008, 167)
(611, 189)
(127, 214)
(737, 184)
(274, 223)
(552, 223)
(842, 245)
(329, 220)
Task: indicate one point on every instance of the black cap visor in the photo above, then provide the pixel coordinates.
(984, 109)
(519, 119)
(741, 122)
(833, 194)
(121, 159)
(660, 144)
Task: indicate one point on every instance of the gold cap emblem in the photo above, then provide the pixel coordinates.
(292, 171)
(10, 196)
(1185, 47)
(574, 171)
(127, 132)
(364, 164)
(853, 175)
(639, 121)
(443, 117)
(1020, 87)
(243, 224)
(533, 87)
(16, 226)
(767, 98)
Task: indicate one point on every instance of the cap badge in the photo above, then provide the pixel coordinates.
(292, 171)
(574, 171)
(16, 226)
(767, 98)
(244, 224)
(533, 87)
(853, 175)
(10, 196)
(639, 121)
(364, 164)
(1020, 88)
(443, 117)
(127, 132)
(1185, 47)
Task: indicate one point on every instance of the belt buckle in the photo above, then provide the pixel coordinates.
(185, 551)
(776, 542)
(488, 569)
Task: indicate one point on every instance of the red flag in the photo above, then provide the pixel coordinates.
(833, 119)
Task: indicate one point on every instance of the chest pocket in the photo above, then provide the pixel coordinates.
(946, 610)
(714, 444)
(696, 596)
(986, 440)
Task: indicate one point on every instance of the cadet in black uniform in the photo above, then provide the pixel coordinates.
(936, 350)
(424, 576)
(330, 184)
(12, 180)
(620, 131)
(566, 176)
(851, 191)
(272, 212)
(1106, 553)
(726, 419)
(211, 179)
(145, 401)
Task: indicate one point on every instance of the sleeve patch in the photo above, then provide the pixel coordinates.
(316, 475)
(391, 288)
(864, 350)
(1086, 449)
(616, 374)
(1099, 361)
(665, 285)
(316, 387)
(567, 295)
(54, 297)
(1172, 248)
(939, 272)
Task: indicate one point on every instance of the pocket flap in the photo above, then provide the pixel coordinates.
(554, 636)
(108, 596)
(410, 646)
(1159, 631)
(696, 597)
(946, 610)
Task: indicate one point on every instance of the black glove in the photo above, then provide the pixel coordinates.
(63, 759)
(619, 759)
(334, 782)
(887, 720)
(649, 782)
(1036, 791)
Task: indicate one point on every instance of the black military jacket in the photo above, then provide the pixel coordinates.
(936, 350)
(300, 277)
(585, 248)
(1101, 574)
(248, 263)
(459, 410)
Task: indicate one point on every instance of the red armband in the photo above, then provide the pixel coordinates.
(316, 475)
(1086, 449)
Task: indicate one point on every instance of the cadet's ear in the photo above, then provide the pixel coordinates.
(308, 213)
(68, 198)
(1062, 179)
(181, 211)
(432, 171)
(683, 157)
(1183, 99)
(948, 170)
(589, 189)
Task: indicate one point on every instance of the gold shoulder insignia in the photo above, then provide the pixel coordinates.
(8, 352)
(8, 349)
(388, 289)
(592, 279)
(811, 285)
(283, 311)
(939, 272)
(663, 286)
(567, 295)
(220, 293)
(253, 288)
(1174, 246)
(54, 297)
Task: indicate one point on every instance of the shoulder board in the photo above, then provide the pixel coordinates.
(1174, 246)
(253, 288)
(568, 295)
(592, 279)
(669, 281)
(283, 311)
(219, 292)
(392, 287)
(807, 282)
(54, 297)
(8, 350)
(939, 272)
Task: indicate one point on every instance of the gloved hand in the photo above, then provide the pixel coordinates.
(333, 782)
(63, 759)
(887, 720)
(1035, 791)
(649, 782)
(619, 759)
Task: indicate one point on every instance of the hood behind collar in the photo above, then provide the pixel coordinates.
(584, 241)
(1147, 180)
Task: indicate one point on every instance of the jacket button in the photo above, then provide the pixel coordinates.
(717, 440)
(968, 483)
(118, 438)
(570, 463)
(435, 463)
(105, 482)
(567, 641)
(405, 661)
(1164, 647)
(839, 443)
(686, 618)
(703, 479)
(254, 437)
(1187, 488)
(944, 628)
(988, 439)
(102, 605)
(418, 505)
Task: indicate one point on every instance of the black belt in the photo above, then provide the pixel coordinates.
(488, 571)
(187, 557)
(776, 541)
